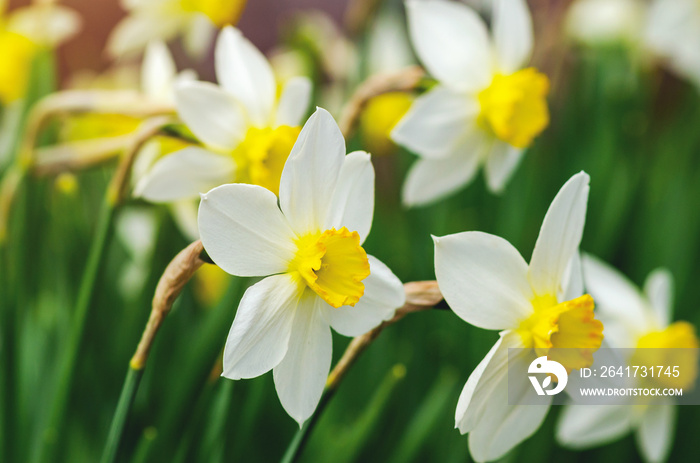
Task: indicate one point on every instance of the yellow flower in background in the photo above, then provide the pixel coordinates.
(247, 129)
(195, 20)
(210, 284)
(157, 80)
(486, 108)
(66, 183)
(23, 32)
(379, 118)
(641, 320)
(97, 125)
(388, 51)
(15, 64)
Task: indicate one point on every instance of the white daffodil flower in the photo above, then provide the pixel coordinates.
(46, 24)
(632, 319)
(485, 110)
(159, 74)
(23, 32)
(248, 131)
(673, 34)
(159, 77)
(311, 246)
(667, 31)
(149, 20)
(488, 284)
(602, 22)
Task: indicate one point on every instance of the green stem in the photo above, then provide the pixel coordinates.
(126, 399)
(302, 436)
(420, 295)
(70, 356)
(200, 357)
(13, 273)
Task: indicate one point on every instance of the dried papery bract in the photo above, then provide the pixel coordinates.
(86, 101)
(404, 80)
(176, 275)
(174, 278)
(84, 154)
(420, 295)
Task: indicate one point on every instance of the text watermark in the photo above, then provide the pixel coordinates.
(605, 377)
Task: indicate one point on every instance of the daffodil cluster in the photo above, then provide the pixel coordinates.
(428, 104)
(486, 108)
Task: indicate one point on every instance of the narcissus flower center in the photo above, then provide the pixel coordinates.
(15, 62)
(333, 264)
(260, 157)
(568, 327)
(674, 346)
(514, 106)
(220, 12)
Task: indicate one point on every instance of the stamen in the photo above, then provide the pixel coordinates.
(333, 264)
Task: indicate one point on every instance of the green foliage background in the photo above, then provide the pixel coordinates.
(635, 132)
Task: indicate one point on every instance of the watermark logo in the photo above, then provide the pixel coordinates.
(550, 367)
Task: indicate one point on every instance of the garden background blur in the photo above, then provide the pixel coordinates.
(633, 128)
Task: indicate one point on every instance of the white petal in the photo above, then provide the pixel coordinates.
(258, 339)
(301, 376)
(184, 213)
(132, 34)
(244, 231)
(185, 174)
(199, 35)
(158, 72)
(573, 280)
(655, 432)
(484, 279)
(352, 203)
(615, 296)
(245, 73)
(472, 399)
(452, 42)
(583, 426)
(294, 102)
(494, 426)
(145, 158)
(501, 162)
(505, 426)
(384, 293)
(431, 179)
(512, 34)
(437, 122)
(560, 236)
(213, 115)
(659, 290)
(44, 24)
(311, 172)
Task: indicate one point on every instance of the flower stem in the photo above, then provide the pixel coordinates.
(87, 287)
(178, 272)
(114, 197)
(302, 436)
(126, 399)
(420, 295)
